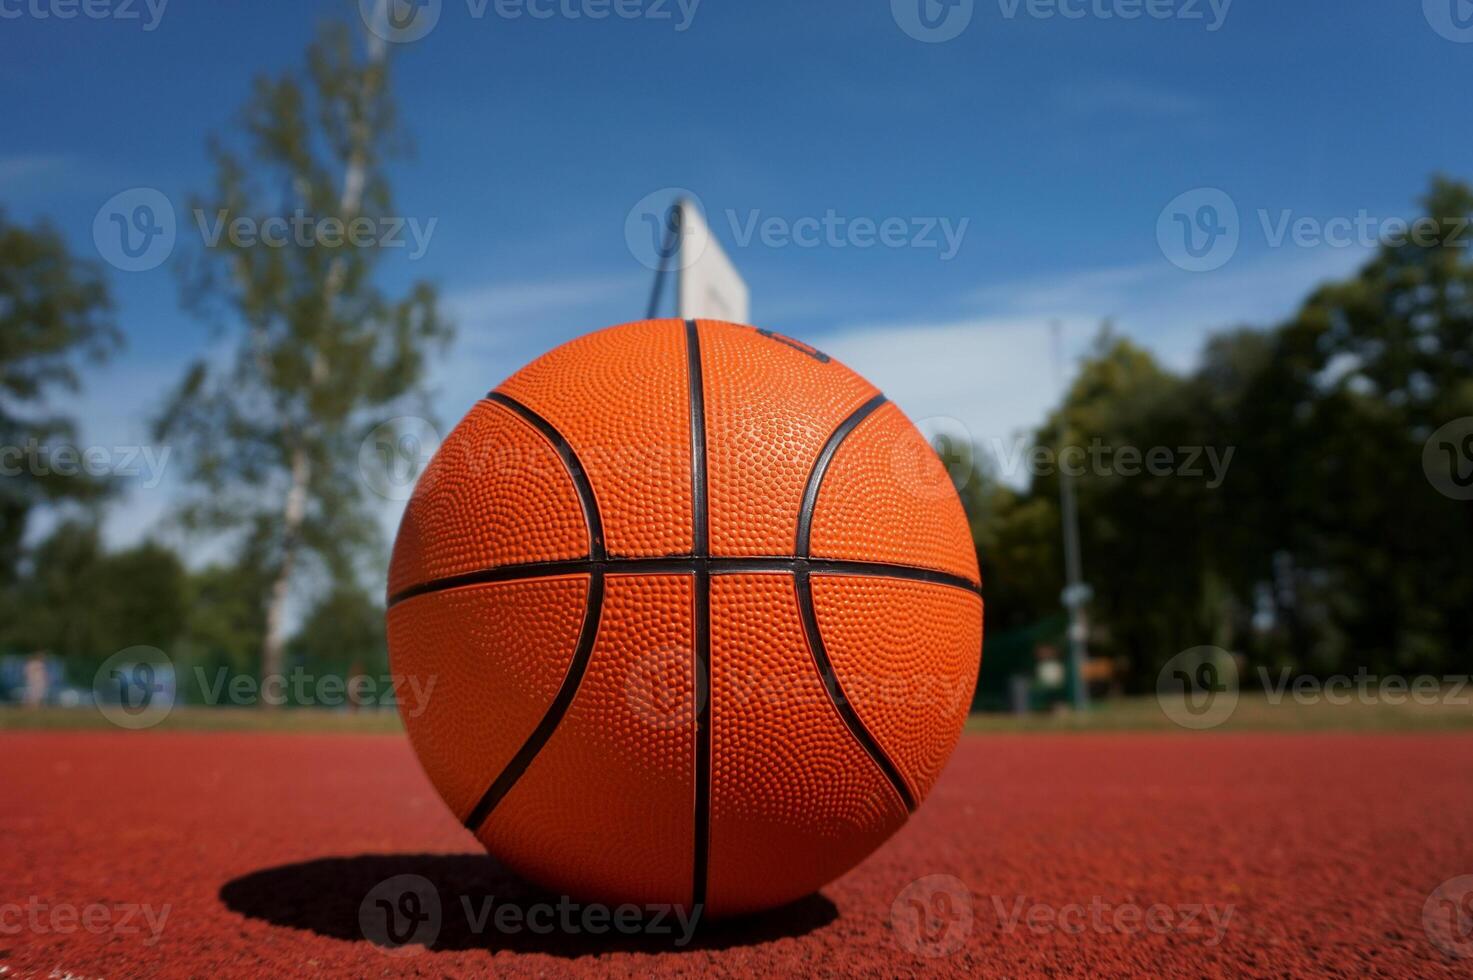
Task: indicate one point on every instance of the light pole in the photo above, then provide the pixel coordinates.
(1076, 593)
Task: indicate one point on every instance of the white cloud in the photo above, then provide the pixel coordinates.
(493, 306)
(1172, 311)
(501, 326)
(994, 375)
(16, 169)
(994, 372)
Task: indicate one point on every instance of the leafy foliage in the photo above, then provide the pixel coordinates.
(55, 314)
(84, 603)
(321, 354)
(1325, 548)
(343, 633)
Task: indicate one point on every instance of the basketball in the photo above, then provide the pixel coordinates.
(698, 616)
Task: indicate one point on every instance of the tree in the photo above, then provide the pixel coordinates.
(1326, 547)
(1359, 379)
(344, 628)
(55, 313)
(141, 595)
(1122, 401)
(1017, 537)
(225, 622)
(84, 604)
(272, 437)
(58, 596)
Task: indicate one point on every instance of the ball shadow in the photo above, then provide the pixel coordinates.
(469, 901)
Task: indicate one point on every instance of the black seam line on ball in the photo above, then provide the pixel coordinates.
(804, 586)
(685, 564)
(821, 466)
(846, 710)
(592, 612)
(587, 634)
(701, 612)
(700, 519)
(581, 483)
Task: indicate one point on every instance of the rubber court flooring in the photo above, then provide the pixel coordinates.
(203, 854)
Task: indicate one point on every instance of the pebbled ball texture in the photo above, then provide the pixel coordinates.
(695, 615)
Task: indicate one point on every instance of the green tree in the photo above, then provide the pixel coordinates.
(1142, 535)
(141, 596)
(84, 604)
(55, 314)
(1372, 565)
(344, 634)
(225, 622)
(59, 596)
(272, 437)
(1325, 548)
(1017, 538)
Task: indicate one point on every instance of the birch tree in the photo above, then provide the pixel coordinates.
(315, 354)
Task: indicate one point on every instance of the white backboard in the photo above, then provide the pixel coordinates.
(709, 285)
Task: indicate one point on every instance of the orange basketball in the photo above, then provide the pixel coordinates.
(702, 615)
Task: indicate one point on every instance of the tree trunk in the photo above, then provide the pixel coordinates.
(273, 649)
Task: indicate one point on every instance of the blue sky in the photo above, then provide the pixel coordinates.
(1055, 134)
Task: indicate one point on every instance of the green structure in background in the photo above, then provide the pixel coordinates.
(1010, 663)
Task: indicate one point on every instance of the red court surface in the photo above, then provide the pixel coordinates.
(233, 855)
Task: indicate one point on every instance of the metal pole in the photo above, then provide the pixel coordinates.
(1075, 592)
